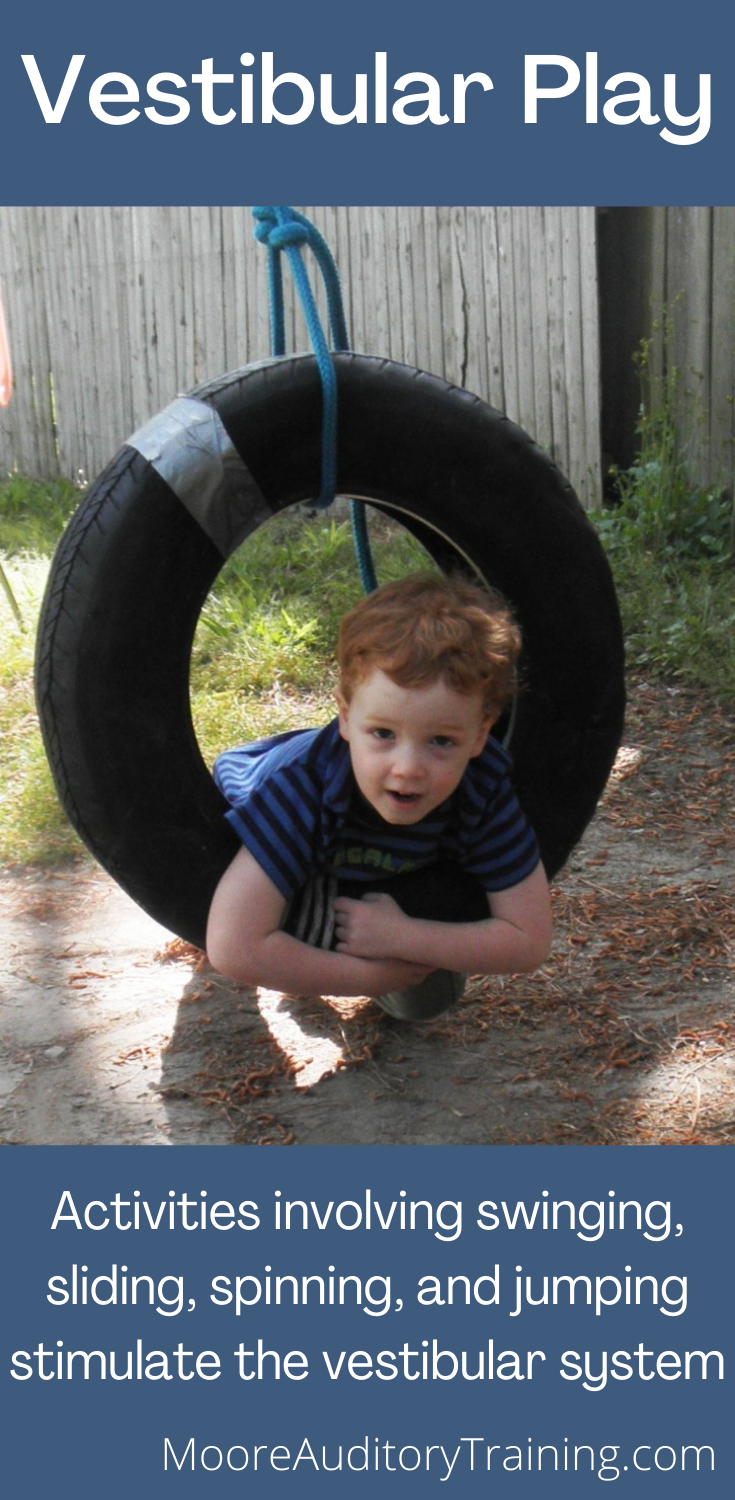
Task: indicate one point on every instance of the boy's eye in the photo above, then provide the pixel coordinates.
(443, 741)
(382, 734)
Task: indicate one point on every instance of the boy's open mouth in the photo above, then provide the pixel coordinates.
(404, 797)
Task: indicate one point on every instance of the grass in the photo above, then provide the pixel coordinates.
(678, 618)
(676, 592)
(33, 514)
(32, 825)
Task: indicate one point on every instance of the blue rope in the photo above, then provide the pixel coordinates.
(361, 543)
(285, 229)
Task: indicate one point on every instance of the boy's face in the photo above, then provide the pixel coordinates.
(410, 747)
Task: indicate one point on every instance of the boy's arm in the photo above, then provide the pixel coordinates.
(515, 939)
(245, 943)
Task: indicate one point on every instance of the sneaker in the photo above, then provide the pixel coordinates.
(421, 1002)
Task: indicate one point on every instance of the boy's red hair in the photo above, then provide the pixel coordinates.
(431, 627)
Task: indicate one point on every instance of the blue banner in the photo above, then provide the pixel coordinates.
(367, 1320)
(407, 103)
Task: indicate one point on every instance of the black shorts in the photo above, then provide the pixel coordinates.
(440, 892)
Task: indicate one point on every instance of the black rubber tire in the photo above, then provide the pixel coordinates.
(133, 570)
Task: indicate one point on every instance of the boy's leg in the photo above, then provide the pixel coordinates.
(441, 892)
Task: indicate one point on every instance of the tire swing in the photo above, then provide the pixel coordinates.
(143, 550)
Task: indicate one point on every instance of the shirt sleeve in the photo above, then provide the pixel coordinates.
(501, 850)
(276, 818)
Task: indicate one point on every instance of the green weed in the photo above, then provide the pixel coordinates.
(33, 828)
(678, 620)
(32, 516)
(670, 541)
(660, 507)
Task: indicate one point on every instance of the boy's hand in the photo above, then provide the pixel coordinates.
(514, 939)
(370, 928)
(245, 942)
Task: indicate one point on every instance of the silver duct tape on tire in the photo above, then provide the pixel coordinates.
(188, 446)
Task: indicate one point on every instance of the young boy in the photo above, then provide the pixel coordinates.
(386, 854)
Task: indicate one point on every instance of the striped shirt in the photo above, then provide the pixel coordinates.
(294, 803)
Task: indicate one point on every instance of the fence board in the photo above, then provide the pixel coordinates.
(511, 395)
(490, 294)
(539, 318)
(722, 429)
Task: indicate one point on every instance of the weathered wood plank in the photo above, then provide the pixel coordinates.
(722, 416)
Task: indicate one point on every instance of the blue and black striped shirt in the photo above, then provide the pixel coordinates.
(295, 805)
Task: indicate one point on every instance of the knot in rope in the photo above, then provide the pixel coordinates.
(277, 234)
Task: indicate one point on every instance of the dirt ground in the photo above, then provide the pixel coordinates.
(113, 1033)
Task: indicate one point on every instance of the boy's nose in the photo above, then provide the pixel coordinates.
(406, 761)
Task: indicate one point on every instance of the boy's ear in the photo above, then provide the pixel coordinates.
(344, 713)
(482, 735)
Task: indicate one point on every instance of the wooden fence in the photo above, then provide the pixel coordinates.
(113, 311)
(673, 266)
